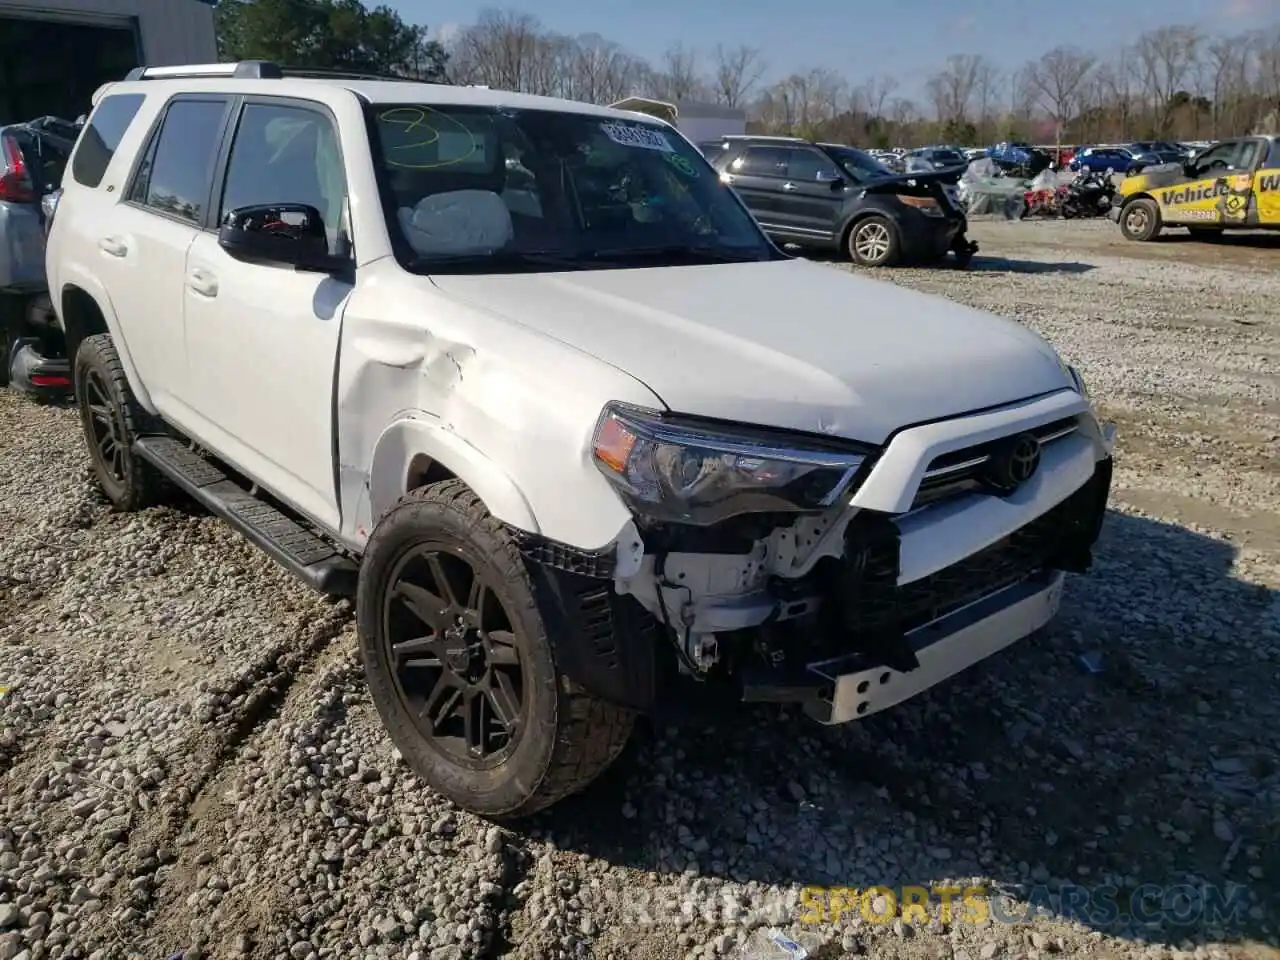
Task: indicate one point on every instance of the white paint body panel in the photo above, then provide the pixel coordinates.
(501, 379)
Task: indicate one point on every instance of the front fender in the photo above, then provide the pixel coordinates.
(420, 436)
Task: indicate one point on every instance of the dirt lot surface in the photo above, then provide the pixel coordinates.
(189, 762)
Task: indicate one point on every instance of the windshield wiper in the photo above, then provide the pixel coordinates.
(683, 252)
(497, 260)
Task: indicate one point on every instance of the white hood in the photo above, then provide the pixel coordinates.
(789, 344)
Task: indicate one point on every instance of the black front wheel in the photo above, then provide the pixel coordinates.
(460, 666)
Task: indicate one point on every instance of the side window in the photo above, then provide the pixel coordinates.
(1217, 158)
(811, 165)
(177, 170)
(1273, 161)
(286, 154)
(1249, 151)
(102, 136)
(763, 162)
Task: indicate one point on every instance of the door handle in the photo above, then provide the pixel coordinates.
(113, 246)
(203, 283)
(788, 186)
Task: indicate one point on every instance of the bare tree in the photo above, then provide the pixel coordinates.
(987, 82)
(600, 71)
(951, 90)
(876, 93)
(1058, 79)
(679, 77)
(498, 50)
(737, 72)
(1226, 76)
(1167, 58)
(1117, 83)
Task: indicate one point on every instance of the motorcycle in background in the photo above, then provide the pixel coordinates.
(1089, 195)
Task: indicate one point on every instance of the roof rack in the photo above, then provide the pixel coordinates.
(253, 70)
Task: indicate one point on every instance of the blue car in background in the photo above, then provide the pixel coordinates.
(1127, 159)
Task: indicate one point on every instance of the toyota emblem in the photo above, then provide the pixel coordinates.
(1016, 465)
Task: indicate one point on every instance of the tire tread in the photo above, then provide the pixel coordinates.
(589, 733)
(147, 484)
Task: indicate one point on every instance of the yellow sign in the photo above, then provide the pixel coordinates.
(884, 904)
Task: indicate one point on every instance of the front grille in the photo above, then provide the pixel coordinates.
(875, 605)
(960, 471)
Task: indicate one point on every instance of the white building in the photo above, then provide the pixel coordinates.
(55, 53)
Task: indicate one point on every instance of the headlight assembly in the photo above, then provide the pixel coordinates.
(700, 474)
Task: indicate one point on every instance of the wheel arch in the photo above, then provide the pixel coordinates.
(85, 309)
(413, 452)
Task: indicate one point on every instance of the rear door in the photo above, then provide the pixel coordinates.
(813, 194)
(757, 174)
(142, 240)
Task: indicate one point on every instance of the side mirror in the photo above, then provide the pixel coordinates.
(838, 183)
(279, 234)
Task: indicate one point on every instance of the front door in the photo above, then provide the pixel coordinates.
(262, 341)
(1266, 187)
(1205, 198)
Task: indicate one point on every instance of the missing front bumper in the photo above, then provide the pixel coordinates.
(903, 639)
(942, 648)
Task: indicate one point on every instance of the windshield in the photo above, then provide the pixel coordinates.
(860, 166)
(485, 186)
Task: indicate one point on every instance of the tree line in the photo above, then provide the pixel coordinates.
(1174, 82)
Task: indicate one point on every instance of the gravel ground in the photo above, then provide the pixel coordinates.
(190, 762)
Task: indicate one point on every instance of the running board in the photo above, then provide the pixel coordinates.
(298, 550)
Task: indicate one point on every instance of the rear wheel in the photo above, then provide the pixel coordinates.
(1140, 220)
(460, 666)
(873, 242)
(112, 419)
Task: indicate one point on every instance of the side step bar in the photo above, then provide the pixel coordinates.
(302, 553)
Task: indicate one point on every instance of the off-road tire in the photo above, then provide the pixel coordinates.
(1146, 228)
(570, 737)
(142, 484)
(875, 222)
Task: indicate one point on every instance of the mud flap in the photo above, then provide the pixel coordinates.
(603, 642)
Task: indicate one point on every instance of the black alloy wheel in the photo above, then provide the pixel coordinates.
(456, 658)
(105, 428)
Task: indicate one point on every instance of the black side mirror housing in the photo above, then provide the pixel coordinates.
(280, 235)
(839, 183)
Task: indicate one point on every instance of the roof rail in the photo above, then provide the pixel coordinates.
(253, 70)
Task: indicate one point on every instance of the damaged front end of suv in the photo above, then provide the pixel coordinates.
(842, 577)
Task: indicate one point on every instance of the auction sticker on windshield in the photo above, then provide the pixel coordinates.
(637, 136)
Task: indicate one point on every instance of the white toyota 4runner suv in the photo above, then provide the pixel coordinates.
(525, 378)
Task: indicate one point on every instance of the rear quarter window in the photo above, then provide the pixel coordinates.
(102, 135)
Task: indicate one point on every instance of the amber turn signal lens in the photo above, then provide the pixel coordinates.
(613, 445)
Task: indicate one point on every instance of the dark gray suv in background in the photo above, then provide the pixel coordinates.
(830, 196)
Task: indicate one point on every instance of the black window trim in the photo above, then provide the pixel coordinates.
(152, 141)
(222, 157)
